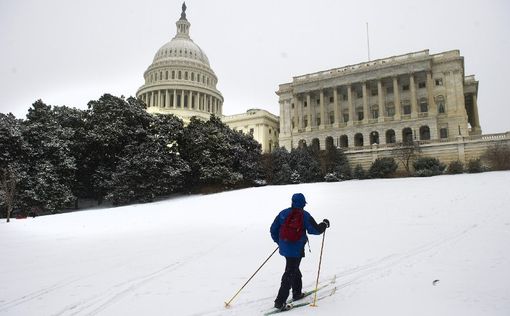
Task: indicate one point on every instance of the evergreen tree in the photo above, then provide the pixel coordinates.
(218, 156)
(383, 167)
(246, 154)
(306, 162)
(112, 124)
(12, 162)
(51, 168)
(335, 163)
(151, 167)
(280, 172)
(359, 173)
(75, 120)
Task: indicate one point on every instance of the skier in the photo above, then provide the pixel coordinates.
(288, 231)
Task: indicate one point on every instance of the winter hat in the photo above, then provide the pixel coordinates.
(298, 200)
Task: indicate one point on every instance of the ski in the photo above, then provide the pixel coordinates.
(291, 305)
(287, 308)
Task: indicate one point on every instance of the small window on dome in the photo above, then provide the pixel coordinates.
(179, 75)
(173, 74)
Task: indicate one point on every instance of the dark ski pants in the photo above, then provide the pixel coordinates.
(291, 279)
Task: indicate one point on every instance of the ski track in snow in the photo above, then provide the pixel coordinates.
(99, 302)
(352, 276)
(96, 303)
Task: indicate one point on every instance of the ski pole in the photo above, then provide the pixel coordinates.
(318, 272)
(227, 304)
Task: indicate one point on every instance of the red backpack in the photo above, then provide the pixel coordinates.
(293, 227)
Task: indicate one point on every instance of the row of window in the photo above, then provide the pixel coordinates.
(181, 75)
(374, 92)
(390, 137)
(389, 111)
(331, 100)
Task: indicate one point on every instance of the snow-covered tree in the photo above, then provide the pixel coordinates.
(12, 151)
(218, 156)
(278, 167)
(50, 166)
(152, 167)
(306, 162)
(112, 124)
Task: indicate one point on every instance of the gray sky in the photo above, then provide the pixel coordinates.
(68, 52)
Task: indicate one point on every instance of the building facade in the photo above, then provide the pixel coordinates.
(263, 125)
(180, 81)
(416, 96)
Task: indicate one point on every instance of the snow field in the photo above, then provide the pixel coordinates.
(388, 241)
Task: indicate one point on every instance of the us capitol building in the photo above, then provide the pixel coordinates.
(180, 81)
(366, 108)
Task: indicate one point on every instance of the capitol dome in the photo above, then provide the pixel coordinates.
(180, 80)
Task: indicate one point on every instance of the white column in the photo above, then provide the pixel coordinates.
(365, 102)
(351, 105)
(432, 104)
(381, 98)
(337, 110)
(396, 98)
(167, 99)
(309, 111)
(322, 114)
(296, 115)
(414, 102)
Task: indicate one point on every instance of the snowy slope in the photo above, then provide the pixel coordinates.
(389, 240)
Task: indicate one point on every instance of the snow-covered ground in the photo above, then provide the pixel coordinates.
(389, 241)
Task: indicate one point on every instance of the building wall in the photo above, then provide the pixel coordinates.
(412, 91)
(462, 148)
(263, 125)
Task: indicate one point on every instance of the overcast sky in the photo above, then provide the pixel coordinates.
(68, 52)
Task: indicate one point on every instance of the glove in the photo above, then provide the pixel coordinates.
(325, 221)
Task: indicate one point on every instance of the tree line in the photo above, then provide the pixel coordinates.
(116, 151)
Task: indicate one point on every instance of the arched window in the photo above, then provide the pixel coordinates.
(179, 75)
(440, 104)
(185, 75)
(390, 136)
(173, 74)
(424, 107)
(424, 133)
(344, 141)
(192, 76)
(407, 135)
(166, 75)
(330, 143)
(358, 140)
(374, 138)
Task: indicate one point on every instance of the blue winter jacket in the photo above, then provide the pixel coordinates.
(297, 248)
